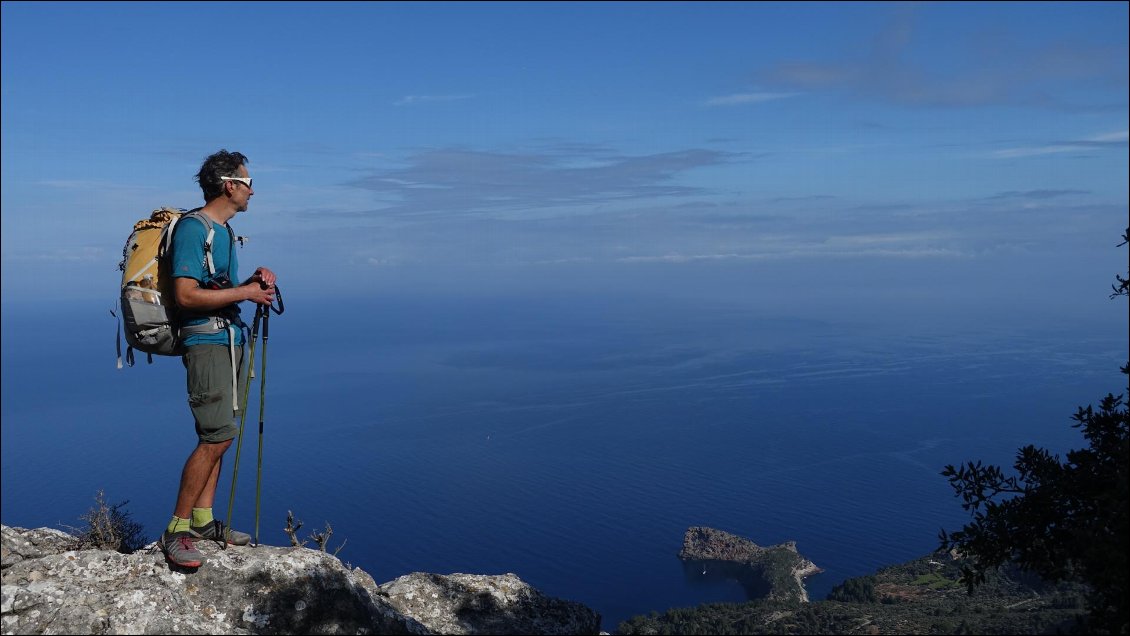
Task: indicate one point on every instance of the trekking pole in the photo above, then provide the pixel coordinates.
(242, 420)
(263, 401)
(262, 405)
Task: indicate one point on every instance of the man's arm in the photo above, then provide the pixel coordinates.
(191, 296)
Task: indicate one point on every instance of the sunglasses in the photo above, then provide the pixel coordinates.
(244, 180)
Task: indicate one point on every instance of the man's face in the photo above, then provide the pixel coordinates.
(241, 193)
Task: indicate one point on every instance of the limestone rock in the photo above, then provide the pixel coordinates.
(32, 544)
(50, 588)
(477, 604)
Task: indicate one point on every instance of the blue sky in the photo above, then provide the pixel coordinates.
(764, 152)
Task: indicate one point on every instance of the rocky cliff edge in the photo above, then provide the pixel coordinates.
(50, 588)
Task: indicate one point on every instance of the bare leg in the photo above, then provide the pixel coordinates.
(199, 479)
(208, 496)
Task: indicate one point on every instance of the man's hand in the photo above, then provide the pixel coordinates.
(265, 277)
(257, 292)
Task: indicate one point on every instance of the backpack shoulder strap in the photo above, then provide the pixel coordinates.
(210, 226)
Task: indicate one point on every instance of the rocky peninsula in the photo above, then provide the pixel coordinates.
(775, 572)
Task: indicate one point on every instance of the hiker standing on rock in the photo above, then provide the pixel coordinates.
(203, 266)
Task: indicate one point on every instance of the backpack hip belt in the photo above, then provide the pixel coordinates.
(215, 324)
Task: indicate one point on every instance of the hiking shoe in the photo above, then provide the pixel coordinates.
(180, 550)
(216, 531)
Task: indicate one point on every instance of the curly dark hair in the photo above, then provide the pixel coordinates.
(220, 164)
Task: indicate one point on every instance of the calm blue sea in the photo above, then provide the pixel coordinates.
(570, 441)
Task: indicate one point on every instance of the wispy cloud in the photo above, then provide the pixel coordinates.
(92, 185)
(1117, 140)
(797, 254)
(477, 182)
(801, 242)
(1039, 195)
(409, 100)
(699, 231)
(81, 254)
(979, 69)
(747, 98)
(593, 205)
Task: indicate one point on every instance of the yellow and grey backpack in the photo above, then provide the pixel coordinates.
(147, 302)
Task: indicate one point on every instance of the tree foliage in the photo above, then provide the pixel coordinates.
(1064, 520)
(1122, 285)
(857, 590)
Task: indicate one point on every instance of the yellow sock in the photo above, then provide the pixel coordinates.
(178, 525)
(201, 517)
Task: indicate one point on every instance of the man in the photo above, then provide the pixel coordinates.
(211, 331)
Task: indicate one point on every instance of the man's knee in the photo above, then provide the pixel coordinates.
(215, 449)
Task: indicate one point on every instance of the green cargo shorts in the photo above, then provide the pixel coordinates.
(210, 394)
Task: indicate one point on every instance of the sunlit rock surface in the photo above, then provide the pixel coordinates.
(50, 588)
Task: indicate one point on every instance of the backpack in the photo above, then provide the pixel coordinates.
(147, 301)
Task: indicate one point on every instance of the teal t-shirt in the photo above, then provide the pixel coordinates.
(188, 262)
